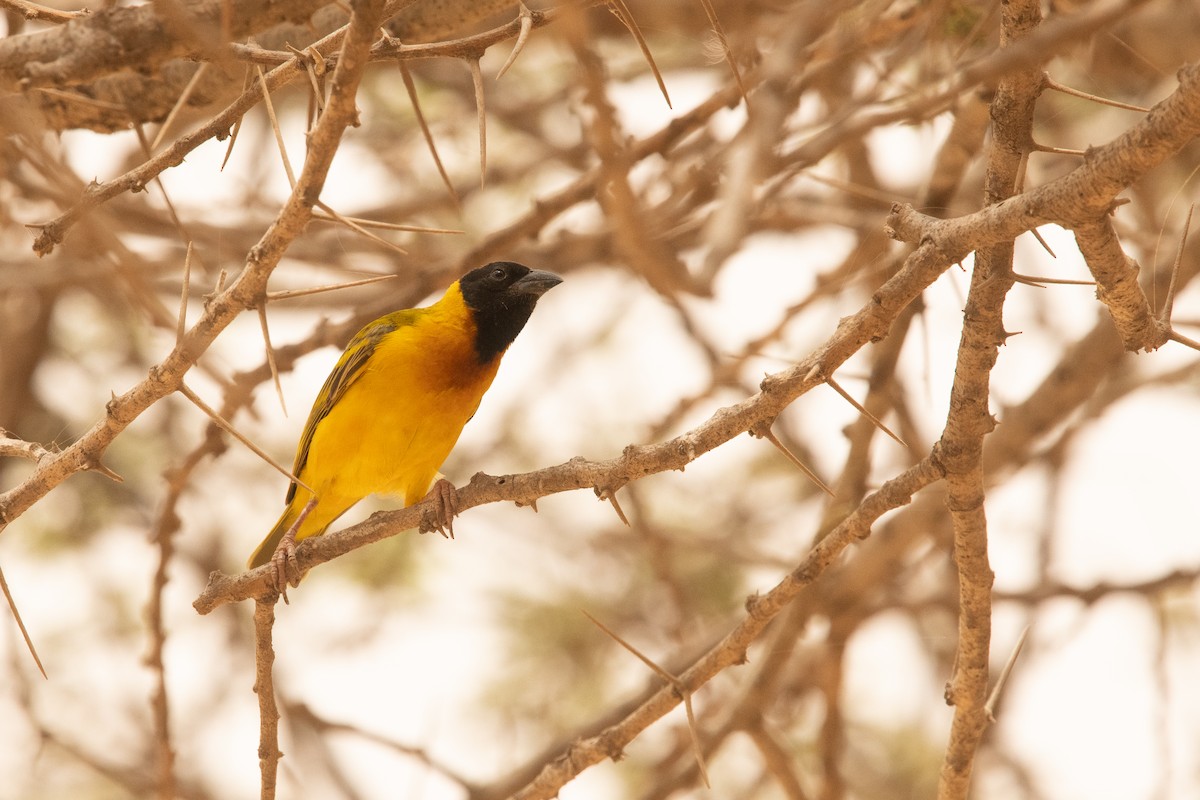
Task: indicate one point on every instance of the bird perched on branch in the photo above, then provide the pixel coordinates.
(396, 402)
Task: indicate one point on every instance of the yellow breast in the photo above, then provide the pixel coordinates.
(397, 423)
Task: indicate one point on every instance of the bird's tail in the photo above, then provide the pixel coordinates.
(264, 552)
(316, 522)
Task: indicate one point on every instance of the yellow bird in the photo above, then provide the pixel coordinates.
(397, 400)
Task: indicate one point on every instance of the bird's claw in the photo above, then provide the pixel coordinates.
(284, 562)
(440, 518)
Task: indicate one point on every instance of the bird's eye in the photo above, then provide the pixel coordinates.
(498, 274)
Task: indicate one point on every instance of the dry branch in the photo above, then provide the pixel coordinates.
(960, 450)
(942, 242)
(1117, 286)
(123, 37)
(776, 393)
(245, 293)
(731, 650)
(678, 183)
(290, 67)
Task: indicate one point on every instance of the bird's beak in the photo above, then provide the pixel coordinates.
(536, 283)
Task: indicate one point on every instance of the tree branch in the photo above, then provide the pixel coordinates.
(776, 393)
(731, 650)
(1117, 286)
(960, 448)
(245, 292)
(122, 37)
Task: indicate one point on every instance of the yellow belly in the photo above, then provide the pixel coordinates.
(392, 429)
(381, 443)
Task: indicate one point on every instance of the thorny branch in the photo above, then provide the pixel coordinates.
(941, 243)
(1082, 201)
(960, 449)
(166, 376)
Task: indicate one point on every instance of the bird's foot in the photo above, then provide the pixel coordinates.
(441, 516)
(283, 560)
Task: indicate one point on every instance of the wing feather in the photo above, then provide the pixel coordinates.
(347, 370)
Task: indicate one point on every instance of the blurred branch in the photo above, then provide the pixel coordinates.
(731, 651)
(589, 184)
(290, 67)
(642, 251)
(11, 447)
(245, 293)
(33, 11)
(1172, 581)
(123, 37)
(1033, 50)
(162, 535)
(16, 613)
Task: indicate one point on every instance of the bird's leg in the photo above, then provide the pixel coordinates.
(285, 552)
(441, 517)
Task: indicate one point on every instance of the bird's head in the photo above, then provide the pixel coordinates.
(501, 296)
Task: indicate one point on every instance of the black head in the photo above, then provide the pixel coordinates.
(502, 296)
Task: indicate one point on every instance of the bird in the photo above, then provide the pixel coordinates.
(396, 402)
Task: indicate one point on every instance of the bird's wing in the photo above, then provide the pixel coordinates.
(347, 370)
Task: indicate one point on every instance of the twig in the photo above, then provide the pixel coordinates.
(1186, 341)
(289, 294)
(232, 431)
(674, 682)
(878, 423)
(989, 708)
(1062, 151)
(175, 109)
(715, 23)
(266, 333)
(353, 225)
(1038, 280)
(621, 11)
(1117, 285)
(1164, 314)
(12, 447)
(40, 13)
(12, 606)
(411, 88)
(166, 525)
(1058, 87)
(237, 125)
(1042, 241)
(185, 285)
(611, 496)
(765, 432)
(315, 66)
(264, 686)
(175, 220)
(266, 95)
